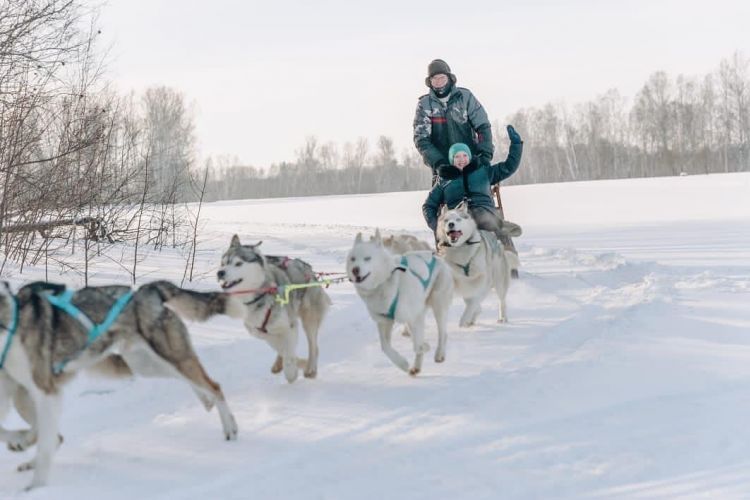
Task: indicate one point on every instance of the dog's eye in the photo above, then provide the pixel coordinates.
(368, 259)
(352, 259)
(238, 264)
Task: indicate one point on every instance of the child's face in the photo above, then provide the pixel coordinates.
(460, 160)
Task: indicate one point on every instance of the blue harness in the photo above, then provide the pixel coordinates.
(404, 266)
(64, 301)
(11, 332)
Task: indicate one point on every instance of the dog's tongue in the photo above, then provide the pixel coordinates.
(454, 235)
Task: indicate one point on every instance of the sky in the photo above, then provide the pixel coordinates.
(263, 76)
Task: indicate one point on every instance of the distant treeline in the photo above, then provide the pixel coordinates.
(673, 125)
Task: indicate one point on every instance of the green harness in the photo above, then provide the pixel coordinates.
(11, 332)
(404, 266)
(64, 302)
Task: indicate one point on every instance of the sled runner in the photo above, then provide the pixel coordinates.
(507, 241)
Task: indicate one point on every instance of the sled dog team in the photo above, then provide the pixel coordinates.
(49, 333)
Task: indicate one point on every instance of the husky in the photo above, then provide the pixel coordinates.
(400, 288)
(402, 243)
(50, 335)
(478, 261)
(11, 393)
(256, 279)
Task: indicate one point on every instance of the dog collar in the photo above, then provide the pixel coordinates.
(256, 299)
(11, 332)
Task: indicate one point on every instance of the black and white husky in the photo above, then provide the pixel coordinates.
(477, 260)
(400, 288)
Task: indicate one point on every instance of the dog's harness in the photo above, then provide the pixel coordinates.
(263, 292)
(404, 266)
(467, 267)
(11, 332)
(64, 301)
(282, 293)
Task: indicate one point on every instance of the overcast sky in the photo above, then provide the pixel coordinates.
(264, 75)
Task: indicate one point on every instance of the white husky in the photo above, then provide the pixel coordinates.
(401, 288)
(477, 260)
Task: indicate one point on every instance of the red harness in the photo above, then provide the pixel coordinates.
(284, 264)
(262, 291)
(262, 328)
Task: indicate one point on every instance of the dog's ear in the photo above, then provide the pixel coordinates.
(256, 245)
(463, 207)
(358, 238)
(377, 239)
(235, 242)
(443, 210)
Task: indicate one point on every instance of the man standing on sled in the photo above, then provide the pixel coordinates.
(450, 115)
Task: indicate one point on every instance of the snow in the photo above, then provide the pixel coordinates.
(624, 371)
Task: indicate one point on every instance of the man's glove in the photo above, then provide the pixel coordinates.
(515, 137)
(484, 160)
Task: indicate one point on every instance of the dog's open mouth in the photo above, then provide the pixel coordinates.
(226, 285)
(454, 235)
(360, 279)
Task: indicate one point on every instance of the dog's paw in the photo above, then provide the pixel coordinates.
(25, 466)
(230, 433)
(403, 364)
(277, 365)
(311, 373)
(465, 323)
(502, 320)
(21, 440)
(35, 483)
(414, 371)
(439, 357)
(291, 375)
(405, 332)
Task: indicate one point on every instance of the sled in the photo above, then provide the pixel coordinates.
(506, 241)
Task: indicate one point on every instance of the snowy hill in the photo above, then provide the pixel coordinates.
(624, 371)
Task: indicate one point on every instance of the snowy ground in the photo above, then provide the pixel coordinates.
(625, 370)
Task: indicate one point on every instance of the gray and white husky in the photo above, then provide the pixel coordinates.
(50, 344)
(400, 288)
(402, 243)
(477, 260)
(254, 278)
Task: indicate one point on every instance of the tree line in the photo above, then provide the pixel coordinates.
(84, 168)
(672, 126)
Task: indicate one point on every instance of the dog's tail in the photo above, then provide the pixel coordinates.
(196, 306)
(113, 366)
(512, 259)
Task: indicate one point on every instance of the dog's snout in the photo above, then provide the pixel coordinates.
(451, 225)
(221, 274)
(355, 271)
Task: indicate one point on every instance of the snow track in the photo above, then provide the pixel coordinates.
(624, 371)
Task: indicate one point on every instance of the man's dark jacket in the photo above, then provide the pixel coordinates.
(438, 126)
